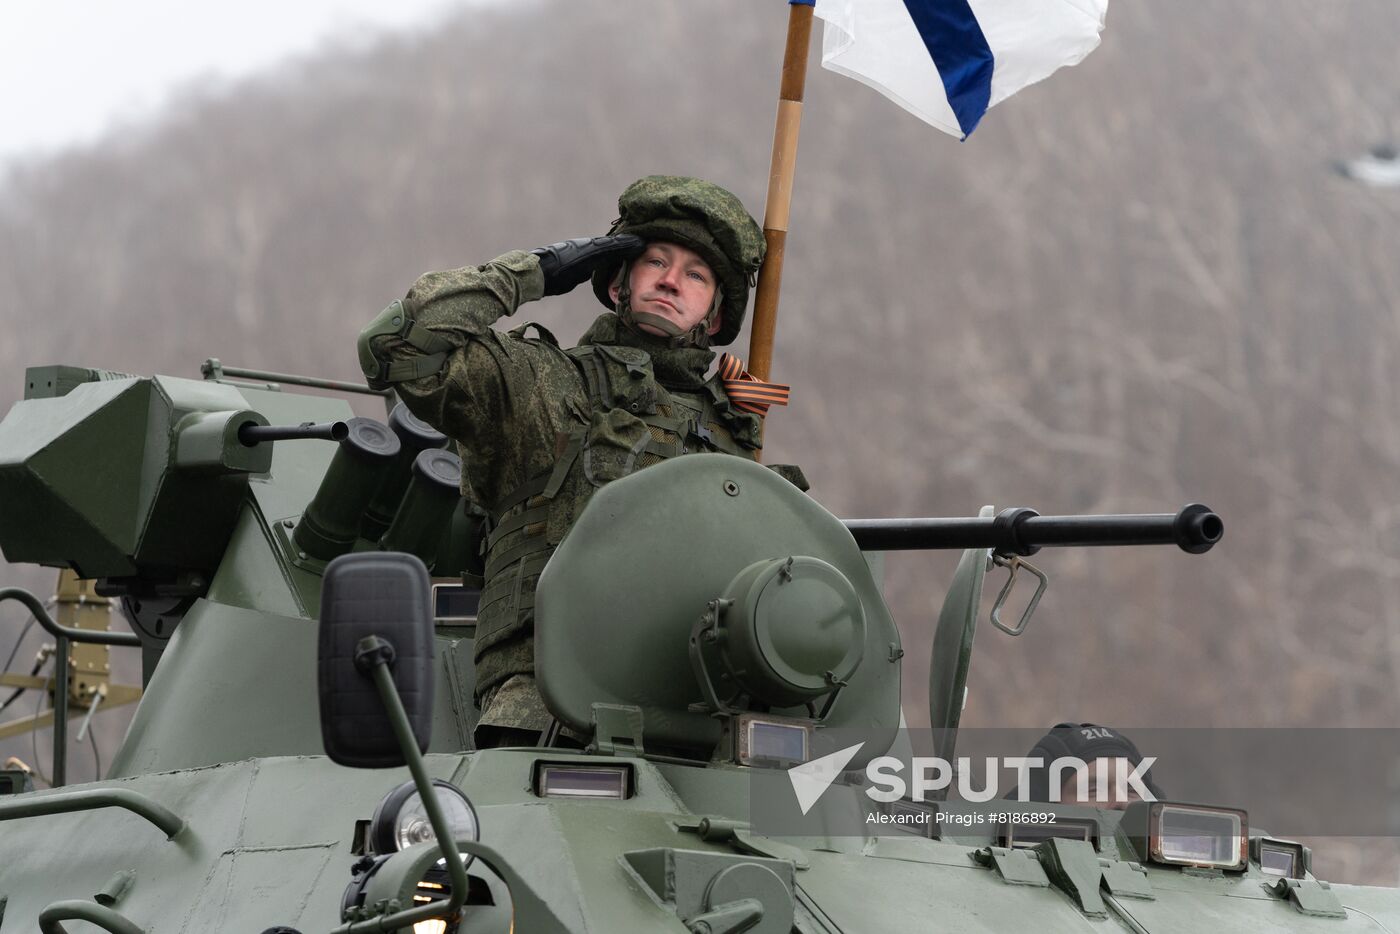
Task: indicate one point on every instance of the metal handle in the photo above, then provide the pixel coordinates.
(1014, 563)
(91, 912)
(213, 369)
(63, 635)
(91, 799)
(42, 617)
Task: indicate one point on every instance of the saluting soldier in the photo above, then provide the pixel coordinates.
(539, 427)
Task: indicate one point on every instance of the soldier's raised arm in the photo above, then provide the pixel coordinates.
(437, 346)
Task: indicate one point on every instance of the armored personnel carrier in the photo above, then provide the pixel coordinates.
(301, 758)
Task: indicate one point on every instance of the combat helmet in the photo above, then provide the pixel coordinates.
(703, 217)
(1083, 741)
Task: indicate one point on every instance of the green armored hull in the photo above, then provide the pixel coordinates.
(694, 648)
(268, 841)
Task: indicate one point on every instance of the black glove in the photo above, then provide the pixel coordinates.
(567, 264)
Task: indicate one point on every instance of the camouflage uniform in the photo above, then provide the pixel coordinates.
(539, 428)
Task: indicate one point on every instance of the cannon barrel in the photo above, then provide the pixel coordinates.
(1023, 531)
(251, 434)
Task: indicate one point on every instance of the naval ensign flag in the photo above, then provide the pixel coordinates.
(947, 61)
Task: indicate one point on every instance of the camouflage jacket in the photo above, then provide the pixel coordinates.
(539, 427)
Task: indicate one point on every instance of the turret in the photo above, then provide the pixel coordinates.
(757, 613)
(118, 477)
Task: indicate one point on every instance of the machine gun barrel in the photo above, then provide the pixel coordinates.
(1195, 529)
(251, 434)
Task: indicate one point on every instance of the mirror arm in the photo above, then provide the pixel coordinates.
(373, 656)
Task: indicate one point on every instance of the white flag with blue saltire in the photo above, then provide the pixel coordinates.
(947, 61)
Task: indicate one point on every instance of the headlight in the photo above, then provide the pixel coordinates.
(1188, 835)
(401, 821)
(772, 741)
(1200, 837)
(1023, 834)
(1280, 857)
(921, 819)
(561, 780)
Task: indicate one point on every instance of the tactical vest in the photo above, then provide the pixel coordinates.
(634, 422)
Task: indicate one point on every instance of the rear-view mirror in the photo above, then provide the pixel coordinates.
(385, 595)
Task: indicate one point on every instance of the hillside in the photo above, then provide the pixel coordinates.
(1137, 285)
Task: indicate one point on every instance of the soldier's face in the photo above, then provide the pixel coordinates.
(672, 282)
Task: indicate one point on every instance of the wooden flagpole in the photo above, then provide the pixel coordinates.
(784, 165)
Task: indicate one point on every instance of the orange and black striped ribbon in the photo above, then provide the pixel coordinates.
(747, 393)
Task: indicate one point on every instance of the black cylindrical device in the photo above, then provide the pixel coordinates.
(433, 495)
(1194, 529)
(251, 434)
(414, 436)
(331, 522)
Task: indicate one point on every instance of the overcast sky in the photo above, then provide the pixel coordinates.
(70, 68)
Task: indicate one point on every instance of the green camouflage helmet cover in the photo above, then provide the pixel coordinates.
(703, 217)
